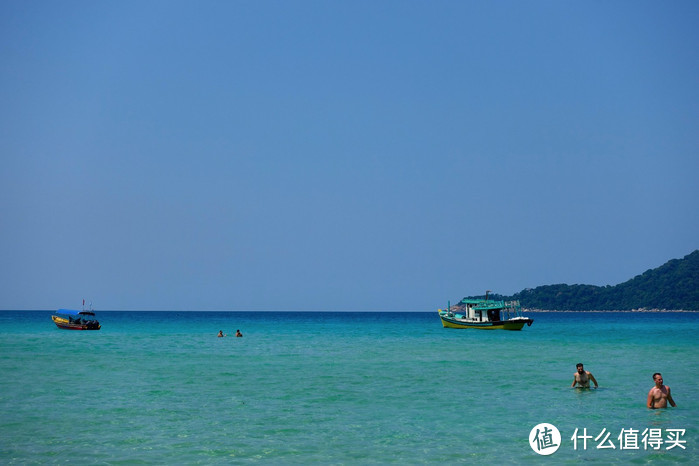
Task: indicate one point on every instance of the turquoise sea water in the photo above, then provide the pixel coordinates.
(339, 388)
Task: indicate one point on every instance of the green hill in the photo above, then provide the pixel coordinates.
(674, 285)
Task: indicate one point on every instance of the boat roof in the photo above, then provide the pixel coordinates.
(482, 302)
(71, 312)
(489, 304)
(472, 301)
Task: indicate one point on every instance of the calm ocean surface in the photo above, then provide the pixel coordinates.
(339, 388)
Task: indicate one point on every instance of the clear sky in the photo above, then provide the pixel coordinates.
(341, 155)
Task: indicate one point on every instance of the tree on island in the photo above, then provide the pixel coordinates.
(672, 286)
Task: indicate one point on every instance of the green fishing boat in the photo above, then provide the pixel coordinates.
(485, 314)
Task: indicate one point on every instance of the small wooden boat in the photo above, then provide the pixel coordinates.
(485, 314)
(75, 320)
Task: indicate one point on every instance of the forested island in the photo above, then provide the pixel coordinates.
(672, 286)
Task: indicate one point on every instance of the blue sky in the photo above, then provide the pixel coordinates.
(293, 155)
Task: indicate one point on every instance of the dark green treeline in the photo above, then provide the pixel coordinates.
(674, 285)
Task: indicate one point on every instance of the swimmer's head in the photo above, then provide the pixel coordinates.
(580, 368)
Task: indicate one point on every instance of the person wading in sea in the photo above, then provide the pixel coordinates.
(659, 395)
(582, 377)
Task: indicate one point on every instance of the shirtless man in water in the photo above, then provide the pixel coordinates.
(582, 377)
(659, 395)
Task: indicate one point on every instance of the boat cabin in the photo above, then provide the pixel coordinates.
(478, 310)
